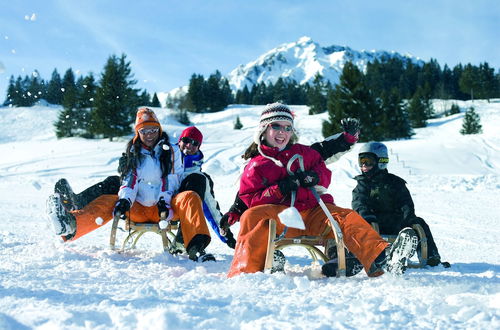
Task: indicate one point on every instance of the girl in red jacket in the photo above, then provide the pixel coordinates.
(266, 187)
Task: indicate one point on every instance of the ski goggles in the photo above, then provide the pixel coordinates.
(187, 140)
(367, 161)
(278, 127)
(152, 130)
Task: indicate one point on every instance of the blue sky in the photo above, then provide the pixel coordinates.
(167, 41)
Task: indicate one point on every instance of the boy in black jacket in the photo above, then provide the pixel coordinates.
(382, 197)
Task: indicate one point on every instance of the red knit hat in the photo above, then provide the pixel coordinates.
(145, 117)
(193, 133)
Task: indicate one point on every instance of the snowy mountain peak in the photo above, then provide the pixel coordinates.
(301, 61)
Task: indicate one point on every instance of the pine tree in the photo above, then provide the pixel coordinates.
(470, 81)
(116, 100)
(352, 98)
(36, 88)
(144, 99)
(395, 122)
(280, 92)
(237, 123)
(155, 102)
(11, 93)
(454, 109)
(197, 93)
(471, 123)
(18, 98)
(243, 96)
(68, 123)
(420, 109)
(316, 97)
(54, 89)
(86, 92)
(182, 117)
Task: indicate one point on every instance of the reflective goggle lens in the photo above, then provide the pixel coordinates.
(278, 127)
(152, 130)
(189, 140)
(367, 161)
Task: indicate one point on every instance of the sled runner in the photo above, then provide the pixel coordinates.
(136, 230)
(422, 251)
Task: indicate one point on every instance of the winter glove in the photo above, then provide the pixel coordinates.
(227, 220)
(238, 207)
(351, 129)
(230, 241)
(162, 208)
(307, 178)
(288, 184)
(121, 207)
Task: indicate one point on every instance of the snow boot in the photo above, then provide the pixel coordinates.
(68, 197)
(278, 262)
(352, 264)
(63, 222)
(435, 260)
(196, 249)
(396, 260)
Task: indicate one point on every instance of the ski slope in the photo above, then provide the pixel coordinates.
(45, 284)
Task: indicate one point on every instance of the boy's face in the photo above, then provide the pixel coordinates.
(366, 162)
(189, 146)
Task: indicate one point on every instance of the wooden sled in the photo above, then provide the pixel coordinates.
(136, 230)
(317, 247)
(422, 251)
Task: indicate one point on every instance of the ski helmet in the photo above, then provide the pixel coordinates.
(379, 150)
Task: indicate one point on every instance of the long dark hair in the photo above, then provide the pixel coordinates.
(134, 157)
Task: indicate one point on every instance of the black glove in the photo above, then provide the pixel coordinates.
(162, 208)
(224, 224)
(350, 125)
(121, 207)
(307, 178)
(230, 241)
(238, 206)
(288, 184)
(351, 129)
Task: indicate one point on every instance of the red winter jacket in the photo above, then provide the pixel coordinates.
(259, 181)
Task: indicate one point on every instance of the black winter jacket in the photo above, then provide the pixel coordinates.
(383, 198)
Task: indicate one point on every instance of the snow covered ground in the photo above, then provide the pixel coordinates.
(44, 284)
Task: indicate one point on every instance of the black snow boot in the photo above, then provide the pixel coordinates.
(196, 249)
(66, 194)
(352, 264)
(63, 222)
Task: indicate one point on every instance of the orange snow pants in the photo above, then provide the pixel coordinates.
(251, 247)
(187, 207)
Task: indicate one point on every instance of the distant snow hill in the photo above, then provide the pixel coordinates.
(300, 61)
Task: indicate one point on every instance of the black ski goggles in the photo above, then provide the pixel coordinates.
(187, 140)
(367, 161)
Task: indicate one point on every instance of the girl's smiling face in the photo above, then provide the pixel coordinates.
(278, 134)
(149, 135)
